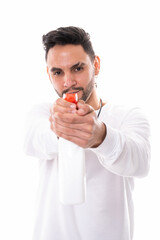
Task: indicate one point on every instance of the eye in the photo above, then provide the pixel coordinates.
(78, 69)
(57, 73)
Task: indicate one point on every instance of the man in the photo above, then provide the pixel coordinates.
(115, 140)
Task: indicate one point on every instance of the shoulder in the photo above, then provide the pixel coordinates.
(113, 109)
(116, 110)
(119, 114)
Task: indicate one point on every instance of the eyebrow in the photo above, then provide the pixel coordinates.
(79, 64)
(53, 69)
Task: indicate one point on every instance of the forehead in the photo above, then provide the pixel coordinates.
(67, 55)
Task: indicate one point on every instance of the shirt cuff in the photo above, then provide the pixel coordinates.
(111, 145)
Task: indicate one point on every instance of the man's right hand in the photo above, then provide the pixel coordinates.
(77, 123)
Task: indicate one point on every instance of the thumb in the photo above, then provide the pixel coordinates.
(83, 109)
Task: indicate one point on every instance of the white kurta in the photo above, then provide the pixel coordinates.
(107, 213)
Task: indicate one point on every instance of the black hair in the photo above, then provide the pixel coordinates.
(68, 35)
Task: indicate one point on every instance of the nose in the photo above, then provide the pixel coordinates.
(69, 80)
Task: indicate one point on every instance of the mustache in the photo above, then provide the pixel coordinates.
(74, 89)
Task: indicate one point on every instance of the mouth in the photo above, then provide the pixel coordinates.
(71, 91)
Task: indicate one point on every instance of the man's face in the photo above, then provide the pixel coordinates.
(70, 70)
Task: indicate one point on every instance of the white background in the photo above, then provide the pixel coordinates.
(126, 35)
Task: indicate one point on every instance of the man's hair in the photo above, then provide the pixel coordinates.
(68, 35)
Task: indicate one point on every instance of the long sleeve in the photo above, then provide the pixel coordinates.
(40, 141)
(126, 148)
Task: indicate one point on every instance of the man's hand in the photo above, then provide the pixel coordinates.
(77, 123)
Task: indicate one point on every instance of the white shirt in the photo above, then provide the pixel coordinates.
(107, 213)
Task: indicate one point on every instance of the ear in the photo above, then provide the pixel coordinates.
(97, 65)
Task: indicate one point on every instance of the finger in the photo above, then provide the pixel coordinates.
(81, 123)
(61, 109)
(64, 103)
(62, 131)
(51, 118)
(81, 101)
(69, 118)
(63, 106)
(84, 109)
(85, 126)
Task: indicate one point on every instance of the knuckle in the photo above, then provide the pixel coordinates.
(91, 120)
(73, 120)
(90, 135)
(85, 108)
(87, 135)
(57, 115)
(57, 101)
(70, 119)
(85, 143)
(52, 127)
(90, 128)
(53, 109)
(66, 119)
(59, 134)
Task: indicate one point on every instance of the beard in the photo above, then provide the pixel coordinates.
(86, 93)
